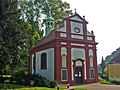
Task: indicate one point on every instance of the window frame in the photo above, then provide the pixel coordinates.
(93, 73)
(42, 67)
(92, 61)
(62, 60)
(62, 75)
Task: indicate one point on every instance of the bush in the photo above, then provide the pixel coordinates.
(117, 82)
(53, 84)
(45, 83)
(40, 81)
(104, 76)
(4, 77)
(106, 82)
(35, 80)
(18, 77)
(9, 86)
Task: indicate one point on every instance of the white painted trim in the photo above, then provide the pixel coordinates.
(77, 36)
(90, 45)
(76, 18)
(72, 73)
(63, 35)
(64, 51)
(89, 38)
(77, 44)
(32, 63)
(85, 70)
(63, 43)
(66, 73)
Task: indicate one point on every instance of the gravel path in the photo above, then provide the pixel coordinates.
(97, 86)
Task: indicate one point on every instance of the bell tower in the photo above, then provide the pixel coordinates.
(49, 25)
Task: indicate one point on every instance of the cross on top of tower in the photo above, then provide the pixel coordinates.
(75, 11)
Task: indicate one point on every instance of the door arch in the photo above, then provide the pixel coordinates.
(78, 66)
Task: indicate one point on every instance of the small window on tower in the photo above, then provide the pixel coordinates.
(48, 24)
(51, 24)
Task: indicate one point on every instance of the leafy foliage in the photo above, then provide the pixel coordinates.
(106, 82)
(56, 8)
(11, 36)
(23, 78)
(21, 28)
(117, 82)
(103, 66)
(53, 84)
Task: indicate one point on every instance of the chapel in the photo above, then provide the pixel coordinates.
(67, 53)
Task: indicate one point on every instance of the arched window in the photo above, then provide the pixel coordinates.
(44, 61)
(63, 51)
(90, 52)
(51, 23)
(64, 61)
(91, 61)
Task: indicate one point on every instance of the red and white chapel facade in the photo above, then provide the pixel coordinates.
(66, 54)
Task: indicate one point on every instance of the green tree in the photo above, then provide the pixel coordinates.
(103, 65)
(56, 8)
(31, 14)
(13, 37)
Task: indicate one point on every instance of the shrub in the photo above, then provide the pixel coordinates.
(53, 84)
(45, 83)
(18, 77)
(9, 86)
(2, 79)
(40, 81)
(117, 82)
(37, 81)
(106, 82)
(27, 80)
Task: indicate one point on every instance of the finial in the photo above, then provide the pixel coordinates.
(75, 11)
(83, 17)
(92, 33)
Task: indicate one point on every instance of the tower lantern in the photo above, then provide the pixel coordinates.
(49, 25)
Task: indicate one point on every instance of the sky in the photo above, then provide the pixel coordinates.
(104, 19)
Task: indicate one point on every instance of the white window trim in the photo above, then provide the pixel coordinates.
(94, 73)
(61, 74)
(33, 63)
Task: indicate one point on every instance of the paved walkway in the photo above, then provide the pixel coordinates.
(97, 86)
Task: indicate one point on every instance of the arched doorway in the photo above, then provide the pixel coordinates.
(78, 65)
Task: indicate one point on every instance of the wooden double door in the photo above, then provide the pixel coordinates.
(78, 75)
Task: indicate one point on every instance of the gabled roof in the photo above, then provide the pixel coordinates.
(115, 60)
(76, 17)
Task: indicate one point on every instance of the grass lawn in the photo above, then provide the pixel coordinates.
(20, 87)
(106, 82)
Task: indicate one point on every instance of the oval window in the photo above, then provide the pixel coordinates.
(77, 30)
